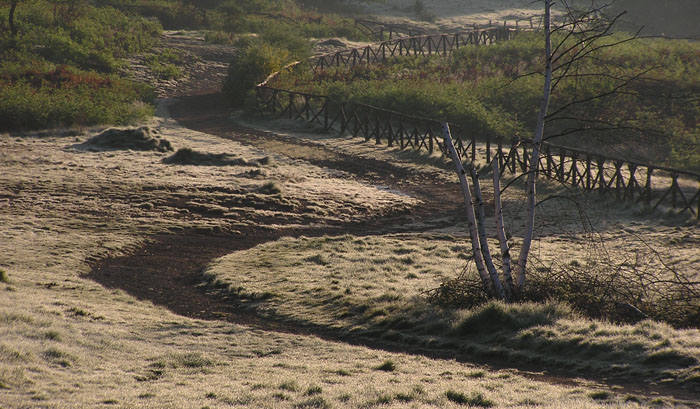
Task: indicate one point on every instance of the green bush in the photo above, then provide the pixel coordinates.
(287, 37)
(251, 66)
(56, 71)
(451, 102)
(165, 64)
(93, 39)
(685, 149)
(64, 97)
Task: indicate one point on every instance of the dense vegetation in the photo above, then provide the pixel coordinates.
(60, 67)
(62, 63)
(491, 91)
(267, 47)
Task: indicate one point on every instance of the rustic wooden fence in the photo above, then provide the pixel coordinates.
(649, 184)
(378, 30)
(424, 45)
(652, 185)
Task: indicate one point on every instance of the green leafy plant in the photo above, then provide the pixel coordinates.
(252, 66)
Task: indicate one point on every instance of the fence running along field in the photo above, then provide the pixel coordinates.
(380, 30)
(424, 45)
(648, 184)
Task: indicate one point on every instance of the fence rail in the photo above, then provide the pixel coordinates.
(378, 30)
(429, 44)
(652, 185)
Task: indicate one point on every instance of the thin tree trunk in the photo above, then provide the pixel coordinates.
(471, 218)
(501, 231)
(11, 18)
(534, 160)
(481, 227)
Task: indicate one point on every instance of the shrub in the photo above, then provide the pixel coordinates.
(287, 37)
(251, 66)
(55, 71)
(67, 97)
(685, 149)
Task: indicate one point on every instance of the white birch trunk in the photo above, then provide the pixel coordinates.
(471, 218)
(501, 231)
(481, 227)
(534, 160)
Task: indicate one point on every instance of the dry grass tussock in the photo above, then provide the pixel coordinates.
(376, 287)
(67, 342)
(187, 156)
(140, 139)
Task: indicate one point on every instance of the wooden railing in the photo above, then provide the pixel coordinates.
(652, 185)
(424, 45)
(378, 30)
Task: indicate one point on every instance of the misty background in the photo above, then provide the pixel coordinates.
(673, 18)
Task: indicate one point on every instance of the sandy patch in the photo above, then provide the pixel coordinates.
(458, 14)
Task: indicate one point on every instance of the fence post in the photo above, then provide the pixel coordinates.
(390, 131)
(325, 114)
(588, 171)
(602, 187)
(430, 139)
(674, 189)
(377, 134)
(488, 148)
(473, 146)
(343, 120)
(647, 187)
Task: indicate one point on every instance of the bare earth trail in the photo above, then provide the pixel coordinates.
(168, 270)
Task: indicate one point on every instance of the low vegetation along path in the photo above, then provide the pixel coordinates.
(168, 270)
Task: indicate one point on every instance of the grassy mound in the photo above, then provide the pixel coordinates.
(138, 139)
(374, 287)
(187, 156)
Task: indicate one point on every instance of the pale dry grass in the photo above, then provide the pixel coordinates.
(65, 341)
(375, 287)
(126, 353)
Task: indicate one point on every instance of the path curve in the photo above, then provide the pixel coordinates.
(167, 272)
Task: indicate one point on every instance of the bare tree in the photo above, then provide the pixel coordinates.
(579, 35)
(536, 144)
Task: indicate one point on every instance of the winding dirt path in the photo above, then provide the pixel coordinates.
(169, 269)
